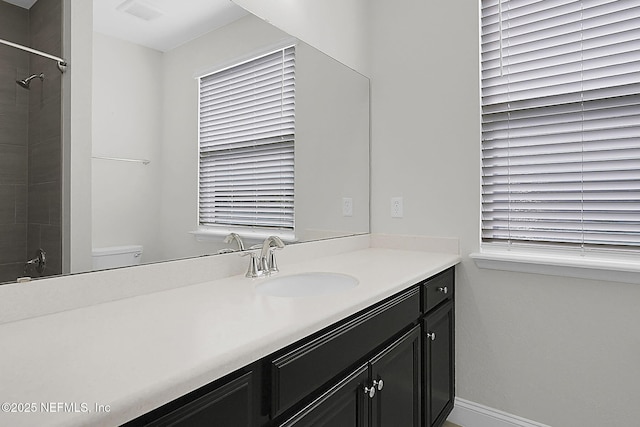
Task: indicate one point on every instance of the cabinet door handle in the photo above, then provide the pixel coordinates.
(378, 383)
(431, 335)
(371, 391)
(443, 289)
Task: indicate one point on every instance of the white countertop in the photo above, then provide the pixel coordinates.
(138, 353)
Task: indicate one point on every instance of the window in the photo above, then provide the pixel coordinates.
(246, 139)
(561, 123)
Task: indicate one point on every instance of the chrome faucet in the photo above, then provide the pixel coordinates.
(267, 257)
(265, 264)
(233, 236)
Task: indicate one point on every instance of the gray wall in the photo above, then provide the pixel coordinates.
(44, 194)
(30, 154)
(14, 115)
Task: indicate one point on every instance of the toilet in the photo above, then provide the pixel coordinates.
(116, 256)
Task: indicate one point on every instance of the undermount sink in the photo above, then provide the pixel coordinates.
(307, 284)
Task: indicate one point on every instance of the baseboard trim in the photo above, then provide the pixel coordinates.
(470, 414)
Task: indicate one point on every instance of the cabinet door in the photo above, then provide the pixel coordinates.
(396, 372)
(227, 406)
(344, 405)
(438, 365)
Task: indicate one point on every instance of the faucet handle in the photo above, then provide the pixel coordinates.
(271, 260)
(254, 269)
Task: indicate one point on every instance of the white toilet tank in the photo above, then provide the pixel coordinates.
(116, 256)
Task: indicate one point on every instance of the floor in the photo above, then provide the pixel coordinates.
(448, 424)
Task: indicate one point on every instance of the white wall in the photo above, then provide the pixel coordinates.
(560, 351)
(126, 117)
(76, 130)
(332, 142)
(337, 27)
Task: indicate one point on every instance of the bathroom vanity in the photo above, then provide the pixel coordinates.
(391, 364)
(219, 350)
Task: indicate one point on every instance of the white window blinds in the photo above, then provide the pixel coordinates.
(247, 128)
(561, 122)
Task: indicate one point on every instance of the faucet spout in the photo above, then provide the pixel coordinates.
(267, 244)
(233, 236)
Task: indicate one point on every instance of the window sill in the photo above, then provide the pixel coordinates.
(584, 266)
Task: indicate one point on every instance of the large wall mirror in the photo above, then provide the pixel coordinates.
(144, 137)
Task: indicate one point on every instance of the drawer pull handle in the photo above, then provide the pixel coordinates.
(379, 384)
(371, 391)
(443, 289)
(431, 335)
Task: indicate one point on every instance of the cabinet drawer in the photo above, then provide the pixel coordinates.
(437, 289)
(306, 368)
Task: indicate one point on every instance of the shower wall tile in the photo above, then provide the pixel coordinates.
(7, 204)
(42, 202)
(55, 204)
(45, 119)
(14, 58)
(50, 123)
(10, 93)
(34, 241)
(13, 124)
(13, 205)
(13, 164)
(52, 84)
(14, 23)
(21, 204)
(45, 155)
(8, 85)
(44, 161)
(46, 23)
(13, 244)
(14, 116)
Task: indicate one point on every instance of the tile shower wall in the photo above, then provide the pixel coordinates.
(44, 154)
(14, 119)
(30, 141)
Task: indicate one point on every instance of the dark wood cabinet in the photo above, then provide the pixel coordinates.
(384, 392)
(343, 405)
(438, 351)
(228, 404)
(397, 368)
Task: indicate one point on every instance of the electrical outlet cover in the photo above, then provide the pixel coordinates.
(347, 206)
(397, 210)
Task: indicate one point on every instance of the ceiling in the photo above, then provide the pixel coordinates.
(162, 24)
(158, 24)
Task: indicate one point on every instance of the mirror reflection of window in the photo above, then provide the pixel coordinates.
(246, 143)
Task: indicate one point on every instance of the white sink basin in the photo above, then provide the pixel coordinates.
(307, 284)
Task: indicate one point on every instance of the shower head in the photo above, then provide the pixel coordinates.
(26, 82)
